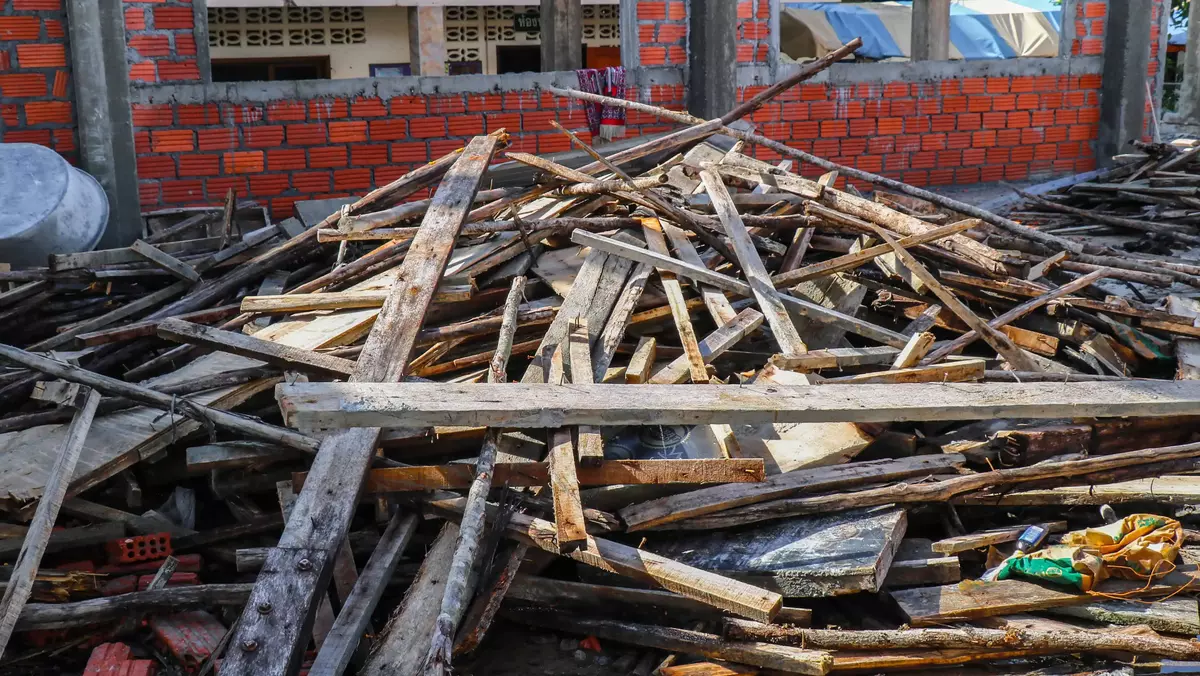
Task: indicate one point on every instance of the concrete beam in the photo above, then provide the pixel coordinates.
(1188, 107)
(100, 75)
(712, 57)
(200, 32)
(930, 30)
(1123, 88)
(562, 35)
(427, 40)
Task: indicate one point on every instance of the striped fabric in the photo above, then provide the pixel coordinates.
(979, 29)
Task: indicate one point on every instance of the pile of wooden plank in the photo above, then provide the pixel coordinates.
(710, 412)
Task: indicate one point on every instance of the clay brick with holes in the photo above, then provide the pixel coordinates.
(139, 548)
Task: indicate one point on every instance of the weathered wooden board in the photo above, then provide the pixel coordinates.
(1167, 490)
(827, 555)
(925, 606)
(340, 405)
(1176, 615)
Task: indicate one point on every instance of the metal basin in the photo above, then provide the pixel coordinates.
(49, 206)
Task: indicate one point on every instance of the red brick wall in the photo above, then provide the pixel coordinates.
(662, 32)
(286, 151)
(35, 82)
(753, 31)
(962, 131)
(161, 39)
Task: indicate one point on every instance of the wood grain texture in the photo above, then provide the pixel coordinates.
(165, 261)
(570, 527)
(652, 230)
(714, 299)
(340, 405)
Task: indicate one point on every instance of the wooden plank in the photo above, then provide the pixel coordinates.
(618, 321)
(815, 556)
(103, 257)
(1165, 490)
(918, 346)
(127, 310)
(165, 261)
(837, 358)
(714, 299)
(782, 328)
(273, 284)
(713, 346)
(952, 372)
(409, 404)
(401, 645)
(607, 473)
(67, 539)
(255, 348)
(927, 606)
(662, 511)
(570, 527)
(325, 507)
(838, 292)
(343, 638)
(993, 536)
(557, 593)
(704, 275)
(579, 363)
(683, 322)
(1175, 615)
(784, 658)
(34, 544)
(638, 370)
(717, 591)
(342, 300)
(150, 327)
(234, 455)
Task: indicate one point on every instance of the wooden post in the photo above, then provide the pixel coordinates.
(297, 572)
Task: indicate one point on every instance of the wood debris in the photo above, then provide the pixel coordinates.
(679, 400)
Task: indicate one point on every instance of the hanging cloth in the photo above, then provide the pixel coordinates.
(606, 122)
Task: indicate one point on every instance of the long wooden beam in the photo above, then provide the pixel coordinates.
(811, 310)
(255, 348)
(340, 405)
(297, 571)
(607, 473)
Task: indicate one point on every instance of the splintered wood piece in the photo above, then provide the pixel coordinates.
(952, 372)
(993, 536)
(569, 525)
(416, 404)
(703, 501)
(273, 284)
(642, 361)
(704, 275)
(918, 346)
(293, 358)
(759, 279)
(836, 358)
(325, 507)
(714, 345)
(714, 299)
(165, 261)
(784, 658)
(579, 358)
(342, 300)
(652, 230)
(1038, 271)
(24, 573)
(717, 591)
(926, 606)
(607, 473)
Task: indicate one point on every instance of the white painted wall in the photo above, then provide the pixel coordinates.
(387, 42)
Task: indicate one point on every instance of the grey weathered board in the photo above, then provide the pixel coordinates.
(826, 555)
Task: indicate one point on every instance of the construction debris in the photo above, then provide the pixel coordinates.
(701, 405)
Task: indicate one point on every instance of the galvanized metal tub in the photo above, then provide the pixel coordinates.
(49, 206)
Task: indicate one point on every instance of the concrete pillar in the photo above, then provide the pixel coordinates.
(712, 57)
(1188, 107)
(203, 58)
(931, 30)
(427, 40)
(100, 75)
(562, 35)
(631, 45)
(1123, 81)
